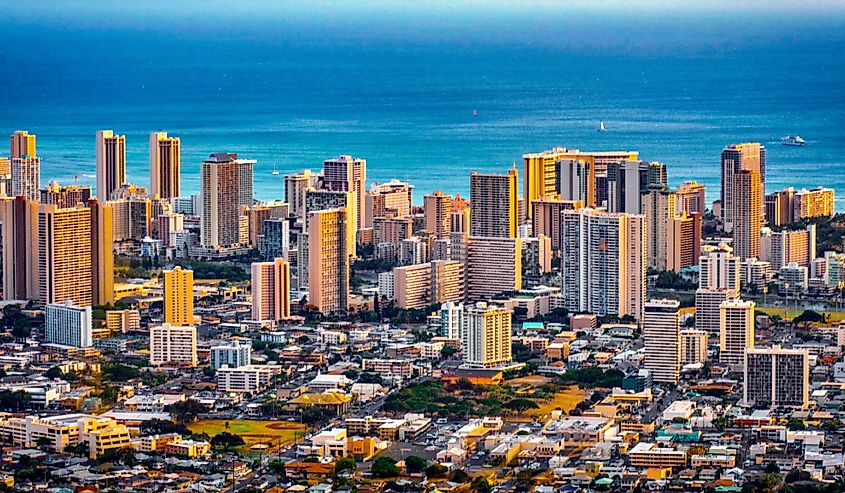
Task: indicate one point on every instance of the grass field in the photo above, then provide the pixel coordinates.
(565, 400)
(271, 433)
(789, 313)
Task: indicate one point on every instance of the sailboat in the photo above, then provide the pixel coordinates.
(474, 113)
(601, 127)
(275, 171)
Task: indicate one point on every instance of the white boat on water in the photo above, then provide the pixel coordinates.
(275, 171)
(792, 140)
(601, 127)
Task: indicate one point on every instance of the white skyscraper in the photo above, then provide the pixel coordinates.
(776, 377)
(238, 353)
(736, 331)
(68, 325)
(718, 281)
(603, 262)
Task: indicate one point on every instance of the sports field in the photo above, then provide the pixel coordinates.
(271, 433)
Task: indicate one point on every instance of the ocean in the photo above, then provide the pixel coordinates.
(408, 109)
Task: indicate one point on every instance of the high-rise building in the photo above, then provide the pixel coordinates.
(102, 254)
(165, 162)
(412, 286)
(178, 287)
(779, 248)
(68, 324)
(296, 184)
(438, 214)
(234, 355)
(328, 261)
(693, 347)
(545, 219)
(628, 180)
(392, 230)
(64, 255)
(494, 266)
(661, 334)
(736, 330)
(318, 200)
(447, 281)
(222, 178)
(658, 207)
(488, 336)
(690, 198)
(718, 268)
(452, 321)
(568, 172)
(271, 290)
(718, 281)
(173, 346)
(459, 218)
(26, 176)
(391, 199)
(67, 196)
(787, 205)
(749, 157)
(493, 204)
(776, 377)
(22, 143)
(348, 174)
(111, 163)
(19, 235)
(603, 263)
(747, 215)
(132, 218)
(276, 239)
(684, 242)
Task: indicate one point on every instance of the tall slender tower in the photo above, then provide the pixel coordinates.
(179, 297)
(102, 256)
(165, 160)
(224, 181)
(488, 336)
(26, 177)
(661, 333)
(64, 255)
(271, 290)
(22, 143)
(19, 228)
(493, 204)
(111, 163)
(328, 261)
(438, 214)
(736, 330)
(750, 156)
(747, 203)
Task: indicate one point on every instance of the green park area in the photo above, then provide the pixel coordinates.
(274, 434)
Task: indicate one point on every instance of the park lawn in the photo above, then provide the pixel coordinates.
(789, 313)
(566, 400)
(274, 434)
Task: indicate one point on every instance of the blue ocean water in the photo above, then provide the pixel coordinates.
(409, 111)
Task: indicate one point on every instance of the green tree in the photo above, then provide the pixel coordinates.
(162, 427)
(415, 464)
(226, 441)
(521, 405)
(436, 471)
(384, 467)
(187, 411)
(344, 464)
(54, 372)
(480, 485)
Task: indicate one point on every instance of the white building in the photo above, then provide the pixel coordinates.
(239, 353)
(251, 378)
(173, 346)
(68, 325)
